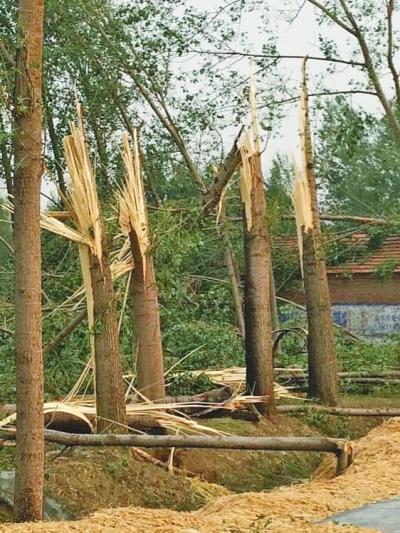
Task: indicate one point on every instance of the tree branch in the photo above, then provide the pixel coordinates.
(279, 56)
(10, 60)
(355, 30)
(323, 93)
(332, 16)
(390, 5)
(165, 120)
(232, 161)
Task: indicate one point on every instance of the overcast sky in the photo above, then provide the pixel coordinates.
(299, 37)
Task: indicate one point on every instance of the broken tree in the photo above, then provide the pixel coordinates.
(88, 231)
(143, 287)
(321, 340)
(258, 321)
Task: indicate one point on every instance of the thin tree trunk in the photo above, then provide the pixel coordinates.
(146, 318)
(55, 147)
(258, 337)
(101, 150)
(28, 498)
(110, 398)
(65, 332)
(234, 280)
(274, 304)
(6, 164)
(321, 340)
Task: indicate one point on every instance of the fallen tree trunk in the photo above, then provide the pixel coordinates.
(347, 379)
(339, 411)
(231, 442)
(300, 374)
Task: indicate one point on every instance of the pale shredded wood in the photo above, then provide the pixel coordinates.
(374, 476)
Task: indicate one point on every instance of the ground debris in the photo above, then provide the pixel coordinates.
(374, 476)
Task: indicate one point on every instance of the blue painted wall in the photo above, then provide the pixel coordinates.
(371, 321)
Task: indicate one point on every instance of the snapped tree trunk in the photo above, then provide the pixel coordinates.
(110, 397)
(28, 498)
(322, 364)
(258, 327)
(146, 318)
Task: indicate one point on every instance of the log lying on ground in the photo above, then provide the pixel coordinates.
(339, 411)
(231, 442)
(302, 380)
(302, 374)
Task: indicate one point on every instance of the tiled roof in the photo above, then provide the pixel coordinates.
(370, 260)
(387, 251)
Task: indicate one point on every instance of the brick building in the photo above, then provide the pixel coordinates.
(365, 289)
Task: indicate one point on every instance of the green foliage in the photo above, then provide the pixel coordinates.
(189, 384)
(357, 161)
(386, 268)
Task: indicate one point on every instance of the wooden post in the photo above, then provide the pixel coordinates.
(344, 457)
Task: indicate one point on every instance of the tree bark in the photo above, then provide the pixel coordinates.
(28, 497)
(340, 411)
(212, 196)
(231, 442)
(146, 318)
(258, 327)
(110, 398)
(322, 366)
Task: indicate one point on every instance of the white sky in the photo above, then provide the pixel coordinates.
(298, 38)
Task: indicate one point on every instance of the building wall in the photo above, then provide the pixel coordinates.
(364, 289)
(369, 321)
(365, 305)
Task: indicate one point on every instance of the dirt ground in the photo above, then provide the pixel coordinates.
(89, 480)
(374, 475)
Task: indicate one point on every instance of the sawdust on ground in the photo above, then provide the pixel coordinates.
(374, 476)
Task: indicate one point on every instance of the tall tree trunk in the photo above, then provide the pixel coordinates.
(258, 327)
(321, 339)
(110, 398)
(146, 318)
(28, 501)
